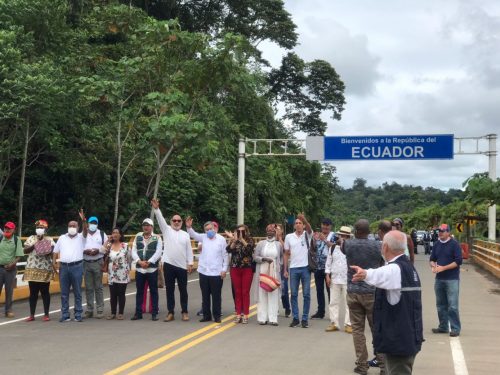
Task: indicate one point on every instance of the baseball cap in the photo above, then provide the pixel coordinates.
(148, 221)
(444, 228)
(10, 225)
(93, 219)
(326, 221)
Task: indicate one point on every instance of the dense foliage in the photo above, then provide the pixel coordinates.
(105, 104)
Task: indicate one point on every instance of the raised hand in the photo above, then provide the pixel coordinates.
(155, 203)
(189, 222)
(82, 215)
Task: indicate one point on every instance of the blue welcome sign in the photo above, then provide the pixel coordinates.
(381, 147)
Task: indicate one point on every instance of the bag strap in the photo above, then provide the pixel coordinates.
(102, 237)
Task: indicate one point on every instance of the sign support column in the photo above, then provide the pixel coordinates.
(240, 217)
(492, 173)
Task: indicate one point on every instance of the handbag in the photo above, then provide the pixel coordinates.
(43, 247)
(268, 282)
(161, 277)
(312, 265)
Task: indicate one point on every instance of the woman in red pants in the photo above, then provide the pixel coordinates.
(241, 247)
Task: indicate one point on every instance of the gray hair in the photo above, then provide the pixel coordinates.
(395, 241)
(208, 223)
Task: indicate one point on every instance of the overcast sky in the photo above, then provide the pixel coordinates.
(410, 67)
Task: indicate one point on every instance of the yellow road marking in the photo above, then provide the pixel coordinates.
(182, 349)
(168, 346)
(217, 329)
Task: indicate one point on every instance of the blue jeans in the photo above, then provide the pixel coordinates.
(285, 298)
(447, 293)
(296, 276)
(71, 277)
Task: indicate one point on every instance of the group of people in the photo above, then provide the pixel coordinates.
(371, 280)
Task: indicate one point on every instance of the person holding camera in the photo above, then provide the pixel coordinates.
(241, 247)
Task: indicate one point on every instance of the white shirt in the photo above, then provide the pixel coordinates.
(70, 249)
(214, 258)
(387, 277)
(153, 259)
(177, 249)
(94, 241)
(336, 265)
(298, 249)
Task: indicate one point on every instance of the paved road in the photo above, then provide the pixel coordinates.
(119, 347)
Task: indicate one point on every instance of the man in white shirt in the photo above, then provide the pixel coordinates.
(92, 265)
(397, 317)
(146, 253)
(212, 268)
(70, 247)
(297, 246)
(177, 260)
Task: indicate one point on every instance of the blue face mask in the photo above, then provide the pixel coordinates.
(92, 227)
(211, 234)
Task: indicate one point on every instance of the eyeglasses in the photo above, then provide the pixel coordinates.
(176, 221)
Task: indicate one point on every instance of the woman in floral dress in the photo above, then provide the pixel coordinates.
(39, 268)
(119, 260)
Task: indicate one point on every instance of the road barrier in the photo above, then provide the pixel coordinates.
(487, 255)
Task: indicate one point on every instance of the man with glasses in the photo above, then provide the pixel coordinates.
(297, 248)
(445, 261)
(177, 260)
(146, 253)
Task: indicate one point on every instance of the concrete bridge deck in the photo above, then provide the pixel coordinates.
(125, 347)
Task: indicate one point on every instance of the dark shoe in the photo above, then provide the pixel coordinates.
(294, 323)
(287, 313)
(217, 320)
(318, 316)
(203, 320)
(89, 314)
(305, 324)
(438, 330)
(373, 362)
(199, 313)
(154, 317)
(454, 334)
(136, 317)
(274, 324)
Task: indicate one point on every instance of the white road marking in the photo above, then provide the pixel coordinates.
(458, 357)
(71, 307)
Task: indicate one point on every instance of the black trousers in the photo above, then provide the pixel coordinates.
(173, 273)
(140, 281)
(319, 279)
(211, 288)
(117, 297)
(42, 288)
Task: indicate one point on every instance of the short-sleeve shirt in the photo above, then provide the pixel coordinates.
(9, 250)
(70, 249)
(298, 249)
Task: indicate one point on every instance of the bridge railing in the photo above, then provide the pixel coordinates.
(487, 255)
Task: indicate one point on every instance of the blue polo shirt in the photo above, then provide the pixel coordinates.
(444, 254)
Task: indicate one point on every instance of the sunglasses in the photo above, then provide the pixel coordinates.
(176, 221)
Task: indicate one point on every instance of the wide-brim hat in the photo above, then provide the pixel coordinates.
(345, 230)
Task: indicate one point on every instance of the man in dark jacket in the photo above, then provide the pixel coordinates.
(397, 315)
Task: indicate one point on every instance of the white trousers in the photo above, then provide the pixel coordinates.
(268, 306)
(338, 294)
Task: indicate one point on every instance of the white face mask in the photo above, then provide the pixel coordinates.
(40, 231)
(72, 231)
(92, 227)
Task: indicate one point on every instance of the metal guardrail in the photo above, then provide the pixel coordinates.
(487, 255)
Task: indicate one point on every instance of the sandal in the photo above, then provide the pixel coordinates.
(119, 317)
(244, 320)
(237, 319)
